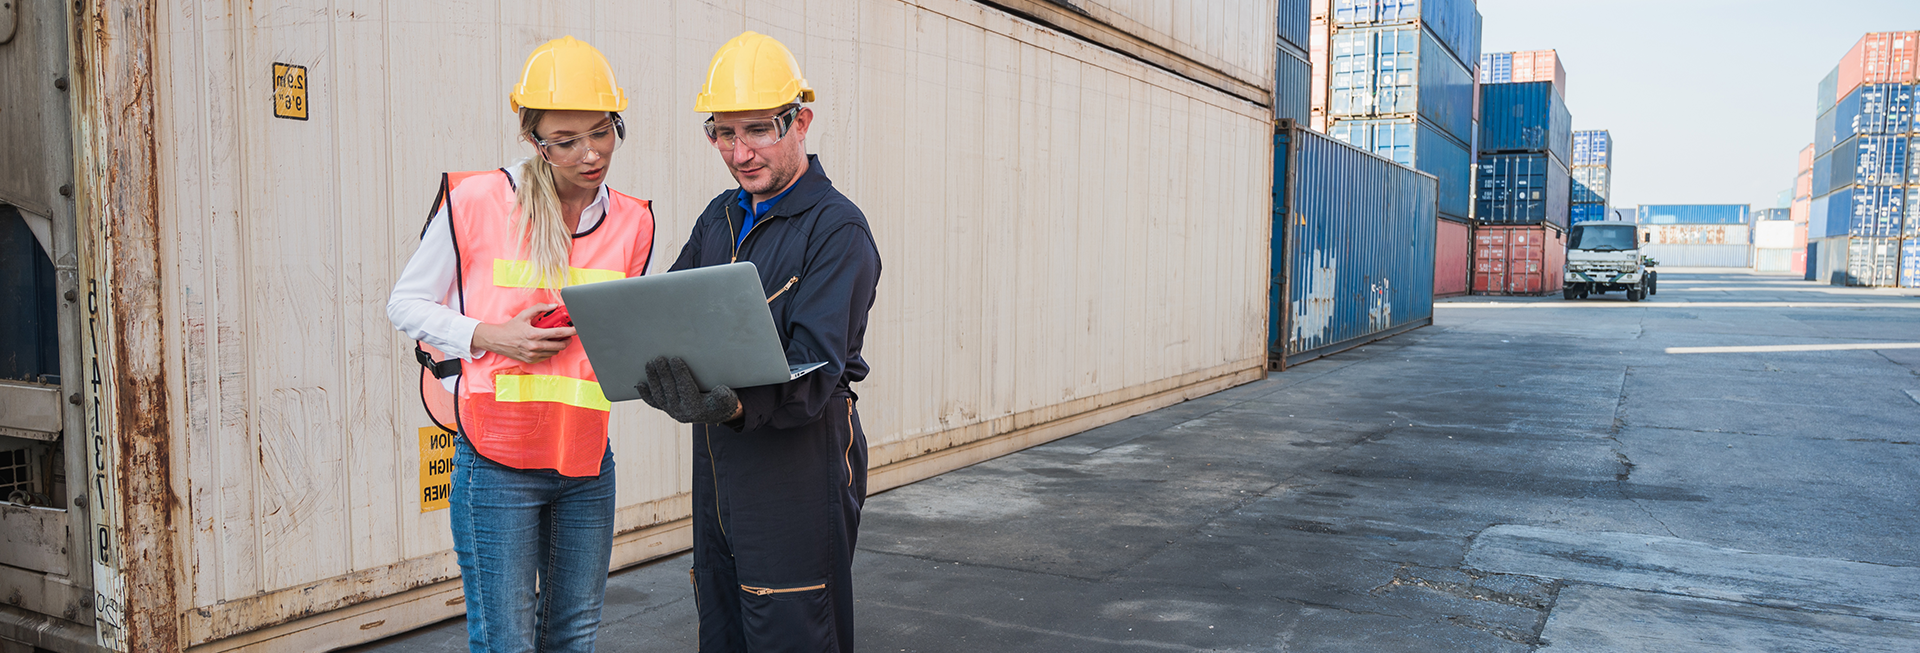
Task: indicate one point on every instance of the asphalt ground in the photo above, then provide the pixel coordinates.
(1731, 465)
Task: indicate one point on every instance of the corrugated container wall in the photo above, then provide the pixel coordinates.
(1592, 147)
(1292, 90)
(1877, 58)
(1358, 248)
(1910, 263)
(1228, 37)
(1456, 22)
(1526, 66)
(1525, 117)
(1296, 20)
(1694, 214)
(1521, 189)
(1399, 71)
(1697, 234)
(273, 500)
(1416, 143)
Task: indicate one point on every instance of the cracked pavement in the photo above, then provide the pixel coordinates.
(1527, 474)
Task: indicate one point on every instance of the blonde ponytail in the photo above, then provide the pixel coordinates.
(543, 230)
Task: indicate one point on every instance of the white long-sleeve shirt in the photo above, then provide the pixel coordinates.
(425, 304)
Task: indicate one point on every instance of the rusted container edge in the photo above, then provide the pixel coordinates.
(116, 165)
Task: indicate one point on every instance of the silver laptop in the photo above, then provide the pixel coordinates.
(715, 317)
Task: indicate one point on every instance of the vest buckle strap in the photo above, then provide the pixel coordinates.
(439, 369)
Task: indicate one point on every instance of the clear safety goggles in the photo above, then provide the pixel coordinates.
(603, 140)
(757, 133)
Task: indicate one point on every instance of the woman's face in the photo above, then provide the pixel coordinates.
(580, 146)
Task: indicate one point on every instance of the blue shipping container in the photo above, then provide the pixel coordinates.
(1822, 177)
(1525, 117)
(1912, 228)
(1824, 131)
(1296, 19)
(1525, 188)
(1818, 212)
(1872, 212)
(1913, 162)
(1579, 213)
(1456, 22)
(1765, 215)
(1871, 109)
(1592, 147)
(1292, 87)
(1397, 71)
(1868, 161)
(1590, 184)
(1353, 251)
(1694, 214)
(1415, 143)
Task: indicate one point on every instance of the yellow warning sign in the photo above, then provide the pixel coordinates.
(289, 91)
(436, 468)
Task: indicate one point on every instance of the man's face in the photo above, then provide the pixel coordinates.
(764, 171)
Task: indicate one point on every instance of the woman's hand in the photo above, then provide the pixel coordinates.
(518, 339)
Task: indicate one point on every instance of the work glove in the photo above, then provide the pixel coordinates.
(670, 387)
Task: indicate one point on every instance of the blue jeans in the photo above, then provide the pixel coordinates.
(534, 548)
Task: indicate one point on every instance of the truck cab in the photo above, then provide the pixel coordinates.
(1605, 256)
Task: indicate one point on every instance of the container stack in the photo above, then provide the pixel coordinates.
(1592, 174)
(1859, 224)
(1396, 79)
(1698, 235)
(1522, 189)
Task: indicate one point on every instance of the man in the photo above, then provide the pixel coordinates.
(779, 471)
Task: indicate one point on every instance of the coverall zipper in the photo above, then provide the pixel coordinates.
(763, 591)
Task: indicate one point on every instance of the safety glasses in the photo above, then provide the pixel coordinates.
(603, 140)
(757, 133)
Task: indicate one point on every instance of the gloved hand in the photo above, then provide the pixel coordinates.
(670, 387)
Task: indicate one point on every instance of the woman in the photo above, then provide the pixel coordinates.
(532, 501)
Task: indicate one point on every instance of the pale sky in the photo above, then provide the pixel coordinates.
(1709, 101)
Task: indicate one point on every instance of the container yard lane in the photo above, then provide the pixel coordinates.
(1728, 465)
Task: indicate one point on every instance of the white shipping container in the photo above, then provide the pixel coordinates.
(1774, 234)
(1071, 237)
(1700, 256)
(1773, 259)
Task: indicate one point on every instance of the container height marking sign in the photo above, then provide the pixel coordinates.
(436, 468)
(289, 91)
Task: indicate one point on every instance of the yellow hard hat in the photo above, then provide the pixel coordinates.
(566, 74)
(752, 72)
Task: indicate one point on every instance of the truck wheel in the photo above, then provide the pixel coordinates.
(1653, 285)
(1570, 292)
(1635, 294)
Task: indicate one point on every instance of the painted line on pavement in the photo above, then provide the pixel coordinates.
(1754, 349)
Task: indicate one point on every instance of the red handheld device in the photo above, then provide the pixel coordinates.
(554, 319)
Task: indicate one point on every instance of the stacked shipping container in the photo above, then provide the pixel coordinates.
(1522, 188)
(1397, 79)
(1863, 208)
(1698, 235)
(1592, 175)
(1293, 72)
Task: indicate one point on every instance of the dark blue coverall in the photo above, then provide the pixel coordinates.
(777, 493)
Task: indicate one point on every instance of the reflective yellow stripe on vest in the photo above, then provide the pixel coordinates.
(543, 387)
(519, 274)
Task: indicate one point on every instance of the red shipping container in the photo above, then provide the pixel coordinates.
(1800, 261)
(1800, 211)
(1518, 260)
(1540, 66)
(1452, 259)
(1803, 186)
(1800, 241)
(1806, 160)
(1880, 58)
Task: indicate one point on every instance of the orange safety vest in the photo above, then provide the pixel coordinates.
(551, 414)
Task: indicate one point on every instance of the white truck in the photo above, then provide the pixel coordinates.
(1605, 255)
